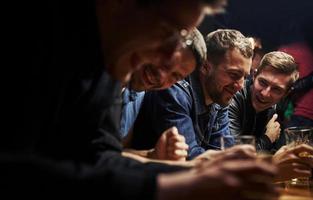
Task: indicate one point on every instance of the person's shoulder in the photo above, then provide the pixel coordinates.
(175, 92)
(180, 93)
(183, 84)
(181, 87)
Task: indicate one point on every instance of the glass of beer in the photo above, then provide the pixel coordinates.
(296, 136)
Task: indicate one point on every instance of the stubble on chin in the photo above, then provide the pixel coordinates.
(223, 102)
(218, 98)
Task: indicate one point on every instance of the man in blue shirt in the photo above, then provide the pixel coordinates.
(197, 105)
(130, 107)
(152, 77)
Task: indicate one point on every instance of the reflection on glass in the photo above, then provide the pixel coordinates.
(299, 135)
(245, 139)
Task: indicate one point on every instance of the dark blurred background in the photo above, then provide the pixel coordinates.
(275, 22)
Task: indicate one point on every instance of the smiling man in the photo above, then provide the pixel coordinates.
(152, 77)
(196, 105)
(252, 109)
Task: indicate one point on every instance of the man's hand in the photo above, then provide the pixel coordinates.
(171, 146)
(226, 177)
(273, 129)
(239, 151)
(291, 164)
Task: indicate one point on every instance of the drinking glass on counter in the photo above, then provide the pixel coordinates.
(296, 136)
(245, 139)
(238, 140)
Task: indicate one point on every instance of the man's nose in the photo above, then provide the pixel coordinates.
(266, 92)
(239, 84)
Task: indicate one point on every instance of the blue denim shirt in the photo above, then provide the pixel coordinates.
(130, 108)
(182, 105)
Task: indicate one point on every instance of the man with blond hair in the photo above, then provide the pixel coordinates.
(252, 110)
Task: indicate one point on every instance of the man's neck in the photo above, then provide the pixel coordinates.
(207, 98)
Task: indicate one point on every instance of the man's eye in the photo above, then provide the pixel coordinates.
(277, 91)
(234, 76)
(262, 83)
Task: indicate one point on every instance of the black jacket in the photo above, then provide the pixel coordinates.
(64, 111)
(244, 120)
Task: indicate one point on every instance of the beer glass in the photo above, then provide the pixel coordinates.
(296, 136)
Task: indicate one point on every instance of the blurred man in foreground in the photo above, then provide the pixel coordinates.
(65, 105)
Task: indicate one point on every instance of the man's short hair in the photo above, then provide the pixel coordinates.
(197, 46)
(282, 63)
(220, 41)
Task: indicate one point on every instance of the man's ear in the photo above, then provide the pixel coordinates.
(288, 92)
(206, 68)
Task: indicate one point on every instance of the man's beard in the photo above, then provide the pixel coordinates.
(215, 94)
